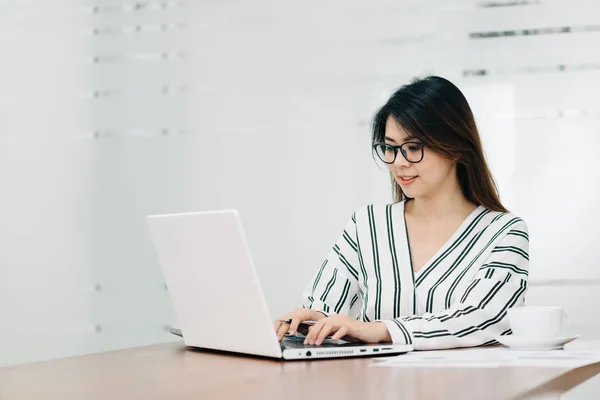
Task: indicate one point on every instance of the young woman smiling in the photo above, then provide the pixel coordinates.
(439, 267)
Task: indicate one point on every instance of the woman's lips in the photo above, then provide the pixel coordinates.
(407, 180)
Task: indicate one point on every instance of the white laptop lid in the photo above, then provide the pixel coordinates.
(216, 294)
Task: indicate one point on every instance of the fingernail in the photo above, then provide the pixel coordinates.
(292, 332)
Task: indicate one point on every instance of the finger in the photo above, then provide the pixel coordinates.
(282, 330)
(343, 331)
(313, 333)
(278, 324)
(282, 320)
(308, 337)
(294, 325)
(324, 333)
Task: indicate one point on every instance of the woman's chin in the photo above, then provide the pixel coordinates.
(409, 190)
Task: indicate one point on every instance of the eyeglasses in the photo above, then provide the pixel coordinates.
(411, 151)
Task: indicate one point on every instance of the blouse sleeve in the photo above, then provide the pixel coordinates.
(478, 314)
(334, 287)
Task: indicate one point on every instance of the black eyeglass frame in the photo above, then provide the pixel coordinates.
(398, 148)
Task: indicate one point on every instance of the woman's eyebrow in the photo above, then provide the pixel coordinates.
(406, 139)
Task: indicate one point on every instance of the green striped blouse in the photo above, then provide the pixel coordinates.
(458, 298)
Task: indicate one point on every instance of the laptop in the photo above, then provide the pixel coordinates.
(217, 296)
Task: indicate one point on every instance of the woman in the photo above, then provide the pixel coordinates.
(439, 267)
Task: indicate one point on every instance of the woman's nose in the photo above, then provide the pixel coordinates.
(400, 161)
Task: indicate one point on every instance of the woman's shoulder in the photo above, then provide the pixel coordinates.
(483, 215)
(504, 219)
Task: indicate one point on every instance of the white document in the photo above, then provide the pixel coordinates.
(492, 358)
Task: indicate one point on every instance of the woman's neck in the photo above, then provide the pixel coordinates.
(441, 205)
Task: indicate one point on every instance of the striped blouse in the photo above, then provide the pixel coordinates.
(458, 298)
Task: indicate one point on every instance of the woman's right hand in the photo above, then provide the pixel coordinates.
(297, 316)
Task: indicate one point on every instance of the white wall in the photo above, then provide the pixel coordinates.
(112, 112)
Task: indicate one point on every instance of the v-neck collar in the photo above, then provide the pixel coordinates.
(429, 264)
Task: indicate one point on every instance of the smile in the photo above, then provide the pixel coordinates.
(407, 179)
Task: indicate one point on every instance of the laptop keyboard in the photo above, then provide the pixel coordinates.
(298, 343)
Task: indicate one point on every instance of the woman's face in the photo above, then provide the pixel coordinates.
(422, 179)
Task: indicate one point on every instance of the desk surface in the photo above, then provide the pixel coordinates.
(170, 371)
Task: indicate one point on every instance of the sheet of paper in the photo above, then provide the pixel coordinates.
(491, 358)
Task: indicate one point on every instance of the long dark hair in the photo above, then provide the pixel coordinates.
(436, 112)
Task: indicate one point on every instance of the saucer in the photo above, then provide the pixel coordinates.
(525, 343)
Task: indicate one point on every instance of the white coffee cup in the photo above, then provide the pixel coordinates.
(537, 321)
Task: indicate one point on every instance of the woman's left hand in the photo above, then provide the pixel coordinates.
(343, 325)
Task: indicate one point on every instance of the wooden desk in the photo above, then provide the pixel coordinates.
(169, 371)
